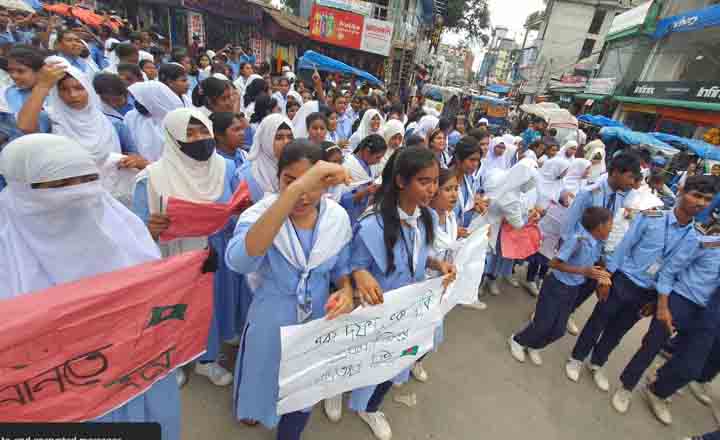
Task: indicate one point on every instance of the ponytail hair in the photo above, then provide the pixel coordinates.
(404, 164)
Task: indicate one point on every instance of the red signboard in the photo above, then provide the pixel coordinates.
(336, 27)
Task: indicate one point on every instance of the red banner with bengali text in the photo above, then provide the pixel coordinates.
(336, 27)
(76, 351)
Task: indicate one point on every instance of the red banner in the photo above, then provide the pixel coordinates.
(76, 351)
(336, 27)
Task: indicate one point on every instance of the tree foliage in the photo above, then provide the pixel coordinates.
(471, 17)
(292, 6)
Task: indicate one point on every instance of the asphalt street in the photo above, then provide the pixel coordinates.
(476, 390)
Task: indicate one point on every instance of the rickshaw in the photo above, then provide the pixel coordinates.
(496, 112)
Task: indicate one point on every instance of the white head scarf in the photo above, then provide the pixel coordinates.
(57, 235)
(552, 180)
(426, 124)
(178, 175)
(492, 161)
(89, 127)
(563, 150)
(148, 132)
(591, 150)
(264, 163)
(296, 96)
(300, 120)
(364, 129)
(392, 127)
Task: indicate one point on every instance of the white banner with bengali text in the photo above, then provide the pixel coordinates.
(371, 345)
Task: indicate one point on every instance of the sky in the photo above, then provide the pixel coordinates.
(508, 13)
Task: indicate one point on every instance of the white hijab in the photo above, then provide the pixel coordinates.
(552, 180)
(392, 127)
(178, 175)
(425, 125)
(264, 164)
(148, 131)
(296, 96)
(58, 235)
(364, 129)
(591, 150)
(563, 150)
(492, 161)
(88, 127)
(299, 121)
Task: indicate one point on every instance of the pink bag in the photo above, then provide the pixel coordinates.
(193, 219)
(518, 244)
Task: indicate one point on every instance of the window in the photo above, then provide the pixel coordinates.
(597, 21)
(587, 48)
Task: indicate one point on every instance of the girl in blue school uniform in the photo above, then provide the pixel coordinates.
(297, 243)
(229, 131)
(466, 162)
(260, 171)
(24, 64)
(575, 262)
(359, 164)
(391, 250)
(190, 169)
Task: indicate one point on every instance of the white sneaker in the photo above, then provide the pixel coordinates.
(512, 281)
(572, 327)
(493, 287)
(181, 377)
(478, 305)
(333, 408)
(700, 392)
(378, 423)
(573, 367)
(600, 378)
(621, 400)
(215, 372)
(419, 372)
(531, 287)
(517, 350)
(660, 407)
(535, 357)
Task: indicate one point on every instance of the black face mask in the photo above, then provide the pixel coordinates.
(199, 150)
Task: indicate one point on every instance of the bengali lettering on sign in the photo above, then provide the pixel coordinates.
(77, 351)
(322, 358)
(336, 27)
(377, 36)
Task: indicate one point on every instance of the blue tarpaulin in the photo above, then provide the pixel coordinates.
(689, 21)
(701, 148)
(600, 121)
(629, 137)
(313, 60)
(491, 100)
(497, 88)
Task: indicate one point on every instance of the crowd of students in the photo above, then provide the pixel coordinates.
(354, 194)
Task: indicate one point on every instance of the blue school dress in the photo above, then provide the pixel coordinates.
(16, 98)
(160, 403)
(274, 305)
(226, 283)
(368, 253)
(467, 189)
(355, 209)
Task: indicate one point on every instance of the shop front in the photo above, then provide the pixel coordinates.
(684, 108)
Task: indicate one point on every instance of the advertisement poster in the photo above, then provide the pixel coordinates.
(377, 36)
(196, 26)
(336, 27)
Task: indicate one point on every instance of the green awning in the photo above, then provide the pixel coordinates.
(671, 103)
(598, 98)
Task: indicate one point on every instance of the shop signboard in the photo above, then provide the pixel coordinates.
(698, 91)
(600, 86)
(356, 6)
(336, 27)
(196, 26)
(377, 36)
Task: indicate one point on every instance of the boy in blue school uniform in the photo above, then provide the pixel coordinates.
(610, 193)
(642, 265)
(688, 304)
(575, 263)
